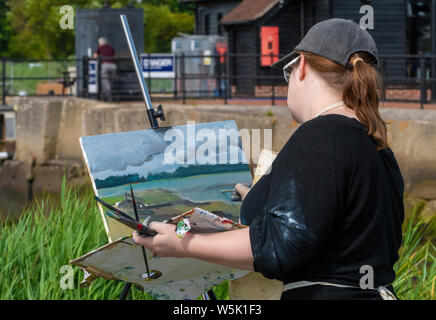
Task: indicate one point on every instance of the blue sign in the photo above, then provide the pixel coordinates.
(92, 76)
(158, 65)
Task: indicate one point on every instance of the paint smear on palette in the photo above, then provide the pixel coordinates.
(202, 221)
(181, 279)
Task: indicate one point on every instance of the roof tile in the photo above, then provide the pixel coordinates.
(248, 10)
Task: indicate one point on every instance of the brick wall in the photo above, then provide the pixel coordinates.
(391, 94)
(265, 91)
(406, 94)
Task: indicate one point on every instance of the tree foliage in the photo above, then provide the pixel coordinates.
(5, 30)
(162, 24)
(30, 28)
(36, 29)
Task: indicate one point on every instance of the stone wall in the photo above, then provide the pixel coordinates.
(48, 131)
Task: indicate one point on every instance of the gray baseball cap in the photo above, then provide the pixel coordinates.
(334, 39)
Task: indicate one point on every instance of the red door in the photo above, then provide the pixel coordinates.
(269, 45)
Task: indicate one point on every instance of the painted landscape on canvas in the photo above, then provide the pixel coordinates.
(171, 170)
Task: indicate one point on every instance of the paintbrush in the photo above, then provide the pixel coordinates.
(135, 210)
(126, 219)
(111, 207)
(143, 230)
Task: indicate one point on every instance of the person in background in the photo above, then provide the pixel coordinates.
(108, 67)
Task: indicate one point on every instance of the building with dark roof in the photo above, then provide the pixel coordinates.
(269, 26)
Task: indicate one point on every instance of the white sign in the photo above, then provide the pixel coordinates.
(92, 76)
(158, 65)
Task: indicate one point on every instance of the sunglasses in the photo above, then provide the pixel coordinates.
(287, 70)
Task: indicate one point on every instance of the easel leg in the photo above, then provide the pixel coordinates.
(125, 291)
(209, 295)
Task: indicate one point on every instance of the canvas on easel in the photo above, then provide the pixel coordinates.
(172, 171)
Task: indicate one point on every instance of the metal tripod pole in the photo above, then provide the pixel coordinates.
(152, 117)
(142, 84)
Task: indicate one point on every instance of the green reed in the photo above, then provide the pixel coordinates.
(50, 233)
(416, 266)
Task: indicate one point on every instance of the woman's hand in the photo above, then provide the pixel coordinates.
(242, 189)
(230, 248)
(165, 243)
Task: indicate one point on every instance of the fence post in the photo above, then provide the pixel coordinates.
(273, 102)
(149, 75)
(423, 86)
(226, 81)
(4, 81)
(229, 77)
(175, 76)
(99, 95)
(85, 76)
(384, 80)
(217, 73)
(183, 78)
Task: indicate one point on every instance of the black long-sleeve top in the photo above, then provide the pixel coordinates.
(331, 204)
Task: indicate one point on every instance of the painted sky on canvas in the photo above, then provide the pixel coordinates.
(142, 151)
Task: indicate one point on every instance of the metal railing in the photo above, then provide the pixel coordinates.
(407, 78)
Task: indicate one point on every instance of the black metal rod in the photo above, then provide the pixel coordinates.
(149, 73)
(4, 81)
(99, 79)
(218, 75)
(175, 83)
(135, 210)
(183, 78)
(273, 102)
(301, 19)
(229, 84)
(433, 48)
(125, 291)
(209, 295)
(423, 86)
(226, 78)
(85, 72)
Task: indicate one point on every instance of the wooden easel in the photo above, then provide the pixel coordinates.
(153, 115)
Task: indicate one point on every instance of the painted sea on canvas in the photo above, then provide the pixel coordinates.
(171, 170)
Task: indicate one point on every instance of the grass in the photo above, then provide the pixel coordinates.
(34, 70)
(46, 237)
(55, 69)
(34, 247)
(416, 267)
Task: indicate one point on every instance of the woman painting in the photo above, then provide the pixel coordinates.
(327, 218)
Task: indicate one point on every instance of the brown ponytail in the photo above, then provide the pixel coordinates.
(362, 87)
